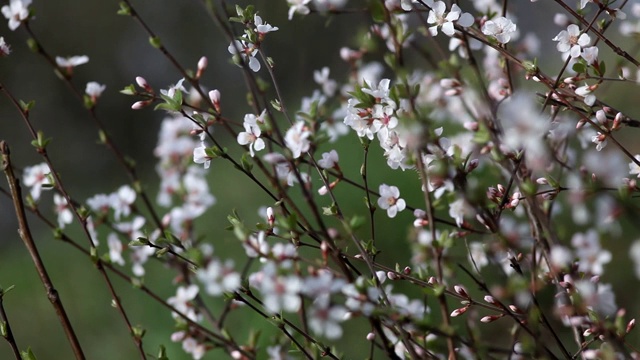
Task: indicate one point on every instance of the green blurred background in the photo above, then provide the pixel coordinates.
(119, 50)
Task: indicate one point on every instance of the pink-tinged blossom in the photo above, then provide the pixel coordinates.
(298, 6)
(133, 229)
(278, 292)
(219, 277)
(380, 92)
(598, 297)
(115, 249)
(139, 256)
(361, 297)
(572, 41)
(200, 155)
(247, 52)
(182, 301)
(262, 27)
(5, 49)
(590, 55)
(321, 77)
(99, 203)
(94, 90)
(458, 210)
(390, 200)
(251, 136)
(478, 255)
(329, 160)
(71, 61)
(438, 18)
(525, 129)
(193, 347)
(591, 256)
(171, 91)
(600, 140)
(65, 216)
(586, 92)
(16, 12)
(297, 139)
(37, 178)
(122, 200)
(500, 28)
(324, 320)
(256, 246)
(560, 257)
(634, 169)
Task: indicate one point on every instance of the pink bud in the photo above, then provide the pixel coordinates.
(490, 299)
(323, 191)
(202, 63)
(458, 312)
(471, 125)
(371, 336)
(631, 325)
(139, 105)
(392, 276)
(142, 82)
(460, 290)
(407, 270)
(542, 181)
(472, 165)
(214, 95)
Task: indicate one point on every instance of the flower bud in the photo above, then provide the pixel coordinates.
(202, 63)
(460, 290)
(631, 325)
(371, 336)
(142, 82)
(139, 105)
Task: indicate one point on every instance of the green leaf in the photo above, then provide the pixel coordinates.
(246, 162)
(27, 355)
(124, 9)
(155, 42)
(377, 11)
(26, 107)
(129, 90)
(579, 67)
(162, 353)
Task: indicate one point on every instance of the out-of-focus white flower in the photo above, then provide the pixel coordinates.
(501, 28)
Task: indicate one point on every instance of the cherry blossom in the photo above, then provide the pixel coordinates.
(591, 256)
(65, 216)
(200, 155)
(94, 90)
(5, 49)
(439, 19)
(298, 6)
(16, 12)
(390, 200)
(115, 249)
(262, 27)
(251, 135)
(247, 52)
(182, 301)
(121, 201)
(329, 160)
(297, 139)
(218, 277)
(37, 178)
(72, 61)
(501, 28)
(572, 41)
(634, 169)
